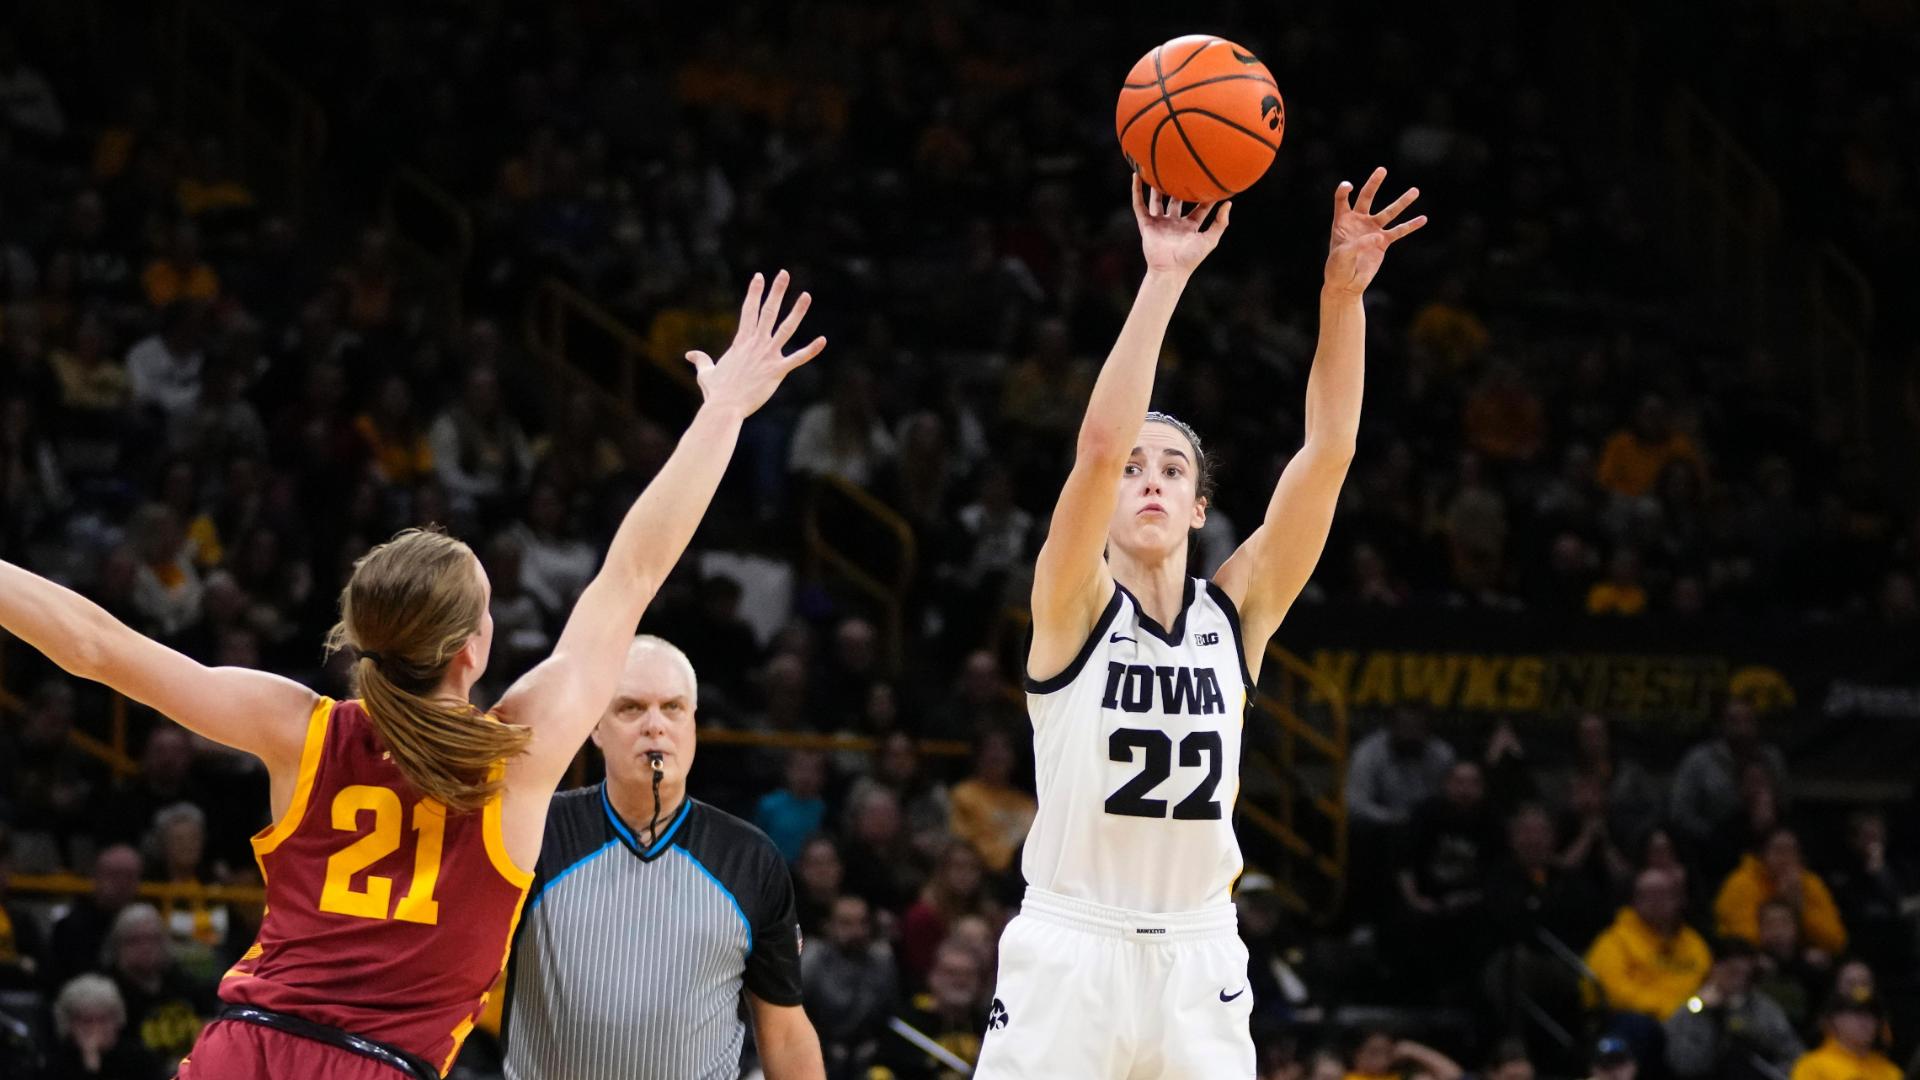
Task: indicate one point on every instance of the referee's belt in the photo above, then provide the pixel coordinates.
(411, 1064)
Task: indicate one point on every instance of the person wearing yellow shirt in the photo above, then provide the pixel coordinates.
(1649, 962)
(1633, 458)
(180, 274)
(1775, 872)
(986, 810)
(1852, 1026)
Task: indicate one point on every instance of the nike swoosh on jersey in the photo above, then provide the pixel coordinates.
(1224, 996)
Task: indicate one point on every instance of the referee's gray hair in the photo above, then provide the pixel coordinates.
(87, 993)
(651, 641)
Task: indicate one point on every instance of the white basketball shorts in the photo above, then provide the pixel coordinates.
(1101, 993)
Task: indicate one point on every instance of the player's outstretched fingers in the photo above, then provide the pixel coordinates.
(1395, 208)
(770, 309)
(1364, 203)
(811, 350)
(791, 324)
(750, 309)
(1223, 218)
(701, 362)
(1406, 229)
(1342, 199)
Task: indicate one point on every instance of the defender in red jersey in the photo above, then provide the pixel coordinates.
(403, 819)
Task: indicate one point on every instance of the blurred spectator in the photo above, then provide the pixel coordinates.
(22, 952)
(94, 1043)
(923, 799)
(1849, 1053)
(165, 778)
(817, 875)
(1706, 792)
(1728, 1030)
(717, 639)
(795, 812)
(1788, 972)
(1877, 896)
(850, 986)
(1635, 456)
(842, 436)
(878, 857)
(479, 450)
(988, 811)
(951, 1012)
(395, 442)
(1613, 1060)
(163, 370)
(1648, 963)
(1508, 1061)
(180, 275)
(555, 562)
(1045, 391)
(1504, 420)
(956, 887)
(165, 1007)
(1377, 1055)
(26, 97)
(1451, 847)
(1620, 592)
(52, 783)
(1774, 872)
(1535, 888)
(176, 851)
(80, 935)
(1395, 769)
(1631, 798)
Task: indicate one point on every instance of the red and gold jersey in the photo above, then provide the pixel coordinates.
(386, 916)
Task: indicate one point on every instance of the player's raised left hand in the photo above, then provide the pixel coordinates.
(751, 369)
(1361, 235)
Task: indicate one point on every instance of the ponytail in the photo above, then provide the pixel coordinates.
(418, 600)
(447, 751)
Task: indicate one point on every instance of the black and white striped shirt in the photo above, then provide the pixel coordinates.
(630, 962)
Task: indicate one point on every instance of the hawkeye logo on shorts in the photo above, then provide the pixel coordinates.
(1193, 691)
(997, 1016)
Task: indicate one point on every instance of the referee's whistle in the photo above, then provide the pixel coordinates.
(654, 759)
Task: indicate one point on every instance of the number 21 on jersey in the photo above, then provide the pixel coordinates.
(375, 900)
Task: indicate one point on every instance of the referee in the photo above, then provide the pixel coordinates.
(650, 912)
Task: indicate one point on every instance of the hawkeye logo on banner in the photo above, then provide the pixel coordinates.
(1622, 685)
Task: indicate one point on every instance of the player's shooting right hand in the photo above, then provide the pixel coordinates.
(748, 373)
(1170, 235)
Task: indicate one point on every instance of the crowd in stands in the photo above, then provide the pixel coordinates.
(210, 405)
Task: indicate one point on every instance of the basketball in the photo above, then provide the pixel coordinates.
(1200, 118)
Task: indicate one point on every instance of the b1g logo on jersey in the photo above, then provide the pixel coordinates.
(1211, 637)
(1140, 688)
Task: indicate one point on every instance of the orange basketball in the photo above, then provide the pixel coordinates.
(1200, 118)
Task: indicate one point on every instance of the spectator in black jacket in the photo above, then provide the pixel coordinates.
(1875, 896)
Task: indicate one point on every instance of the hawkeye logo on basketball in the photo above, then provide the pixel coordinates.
(1140, 688)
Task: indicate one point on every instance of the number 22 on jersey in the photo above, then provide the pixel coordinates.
(374, 901)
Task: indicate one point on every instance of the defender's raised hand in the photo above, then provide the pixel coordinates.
(1361, 236)
(1170, 234)
(747, 374)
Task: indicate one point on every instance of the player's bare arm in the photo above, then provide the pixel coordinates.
(564, 696)
(1071, 582)
(1266, 574)
(262, 714)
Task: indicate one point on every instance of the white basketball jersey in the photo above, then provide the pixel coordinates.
(1137, 759)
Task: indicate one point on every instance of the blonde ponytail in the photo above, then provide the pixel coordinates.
(411, 605)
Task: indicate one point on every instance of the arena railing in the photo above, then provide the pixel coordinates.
(1726, 207)
(271, 124)
(168, 896)
(854, 561)
(1840, 309)
(433, 233)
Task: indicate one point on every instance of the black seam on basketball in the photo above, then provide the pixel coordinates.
(1248, 132)
(1190, 57)
(1153, 149)
(1124, 128)
(1174, 115)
